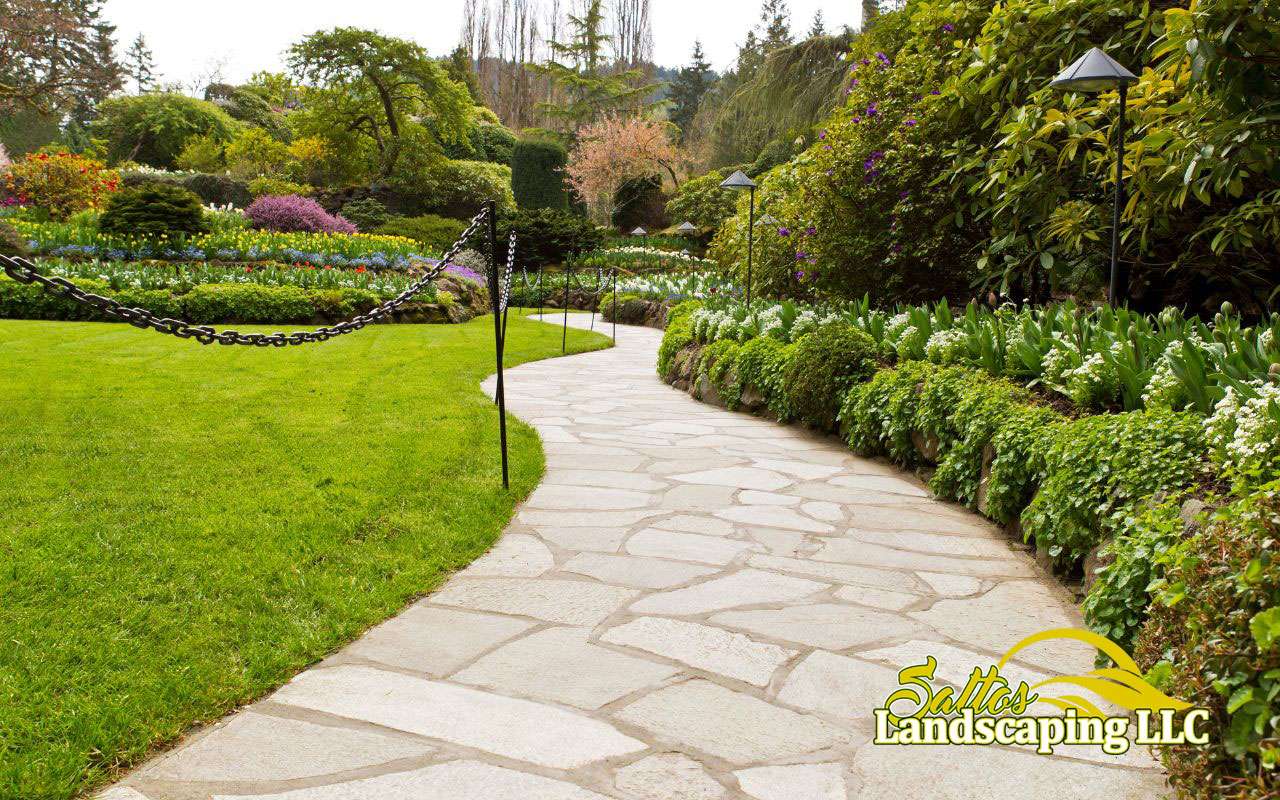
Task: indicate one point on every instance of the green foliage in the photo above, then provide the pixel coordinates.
(639, 202)
(153, 129)
(28, 301)
(437, 234)
(1118, 601)
(202, 154)
(267, 186)
(153, 210)
(763, 364)
(495, 143)
(547, 237)
(880, 414)
(679, 335)
(219, 190)
(366, 213)
(1212, 637)
(825, 365)
(11, 242)
(254, 153)
(460, 188)
(1020, 445)
(248, 105)
(1099, 467)
(715, 363)
(248, 303)
(702, 202)
(537, 174)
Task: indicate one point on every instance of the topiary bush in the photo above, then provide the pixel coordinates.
(154, 128)
(293, 213)
(1097, 468)
(435, 233)
(153, 210)
(548, 237)
(460, 188)
(825, 366)
(537, 175)
(1212, 641)
(367, 214)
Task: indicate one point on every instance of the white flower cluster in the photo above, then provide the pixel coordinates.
(1094, 382)
(1245, 434)
(1267, 340)
(809, 321)
(656, 253)
(946, 347)
(711, 326)
(1164, 390)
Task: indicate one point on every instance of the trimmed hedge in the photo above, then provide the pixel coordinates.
(434, 232)
(537, 175)
(153, 210)
(826, 364)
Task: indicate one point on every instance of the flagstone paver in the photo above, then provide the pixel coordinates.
(695, 605)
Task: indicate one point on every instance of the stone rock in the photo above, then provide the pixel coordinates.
(636, 572)
(1191, 513)
(686, 547)
(927, 446)
(801, 782)
(256, 747)
(669, 776)
(838, 686)
(840, 573)
(456, 780)
(762, 480)
(852, 551)
(877, 598)
(774, 517)
(563, 601)
(752, 398)
(435, 640)
(748, 587)
(519, 729)
(703, 647)
(121, 793)
(560, 666)
(984, 482)
(729, 725)
(515, 555)
(951, 585)
(826, 625)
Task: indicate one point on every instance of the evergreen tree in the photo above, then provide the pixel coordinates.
(750, 58)
(459, 67)
(775, 17)
(689, 88)
(819, 27)
(140, 65)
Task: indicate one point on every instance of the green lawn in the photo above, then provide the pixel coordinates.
(183, 528)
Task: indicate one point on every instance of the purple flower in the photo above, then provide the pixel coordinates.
(904, 194)
(800, 275)
(935, 92)
(949, 28)
(801, 256)
(784, 231)
(812, 231)
(293, 213)
(853, 83)
(884, 59)
(857, 120)
(873, 109)
(866, 62)
(822, 135)
(911, 123)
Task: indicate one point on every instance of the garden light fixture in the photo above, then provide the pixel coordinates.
(1096, 71)
(688, 229)
(739, 181)
(640, 233)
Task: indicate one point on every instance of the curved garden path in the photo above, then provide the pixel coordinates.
(694, 605)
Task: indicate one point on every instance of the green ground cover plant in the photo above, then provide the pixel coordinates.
(162, 568)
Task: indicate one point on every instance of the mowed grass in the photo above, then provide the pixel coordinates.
(183, 528)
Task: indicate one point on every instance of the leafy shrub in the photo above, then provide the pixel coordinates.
(435, 233)
(366, 214)
(247, 303)
(1020, 444)
(1212, 641)
(547, 236)
(640, 202)
(537, 175)
(28, 301)
(153, 210)
(460, 188)
(880, 414)
(60, 183)
(247, 106)
(160, 302)
(1097, 468)
(1118, 602)
(495, 143)
(203, 154)
(702, 202)
(254, 153)
(11, 242)
(714, 363)
(219, 190)
(762, 363)
(293, 213)
(154, 128)
(774, 154)
(267, 186)
(825, 365)
(679, 335)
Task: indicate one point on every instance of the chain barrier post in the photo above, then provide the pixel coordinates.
(615, 305)
(564, 339)
(540, 297)
(495, 294)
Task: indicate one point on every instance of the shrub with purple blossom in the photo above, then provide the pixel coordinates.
(291, 213)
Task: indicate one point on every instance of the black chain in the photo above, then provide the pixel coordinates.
(511, 269)
(24, 271)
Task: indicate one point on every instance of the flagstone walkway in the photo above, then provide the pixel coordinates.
(695, 605)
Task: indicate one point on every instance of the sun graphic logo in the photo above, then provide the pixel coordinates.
(991, 709)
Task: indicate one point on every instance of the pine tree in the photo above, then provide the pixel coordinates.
(459, 67)
(819, 27)
(750, 58)
(140, 65)
(775, 16)
(689, 88)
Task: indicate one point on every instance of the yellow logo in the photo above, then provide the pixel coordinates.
(991, 710)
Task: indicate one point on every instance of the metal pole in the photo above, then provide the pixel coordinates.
(495, 289)
(751, 242)
(564, 339)
(1115, 296)
(615, 305)
(540, 298)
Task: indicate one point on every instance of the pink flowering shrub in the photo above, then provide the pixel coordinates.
(293, 213)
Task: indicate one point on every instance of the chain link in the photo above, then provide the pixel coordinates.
(24, 271)
(511, 269)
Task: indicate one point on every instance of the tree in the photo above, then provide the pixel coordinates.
(775, 16)
(139, 65)
(689, 89)
(460, 70)
(374, 87)
(615, 150)
(590, 91)
(633, 33)
(54, 53)
(819, 26)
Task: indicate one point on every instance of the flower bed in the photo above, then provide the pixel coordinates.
(1118, 498)
(642, 259)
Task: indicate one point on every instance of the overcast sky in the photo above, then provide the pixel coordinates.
(245, 36)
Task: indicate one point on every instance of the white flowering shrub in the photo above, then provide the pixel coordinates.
(809, 321)
(947, 347)
(1244, 432)
(1094, 383)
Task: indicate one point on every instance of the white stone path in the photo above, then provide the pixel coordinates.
(695, 605)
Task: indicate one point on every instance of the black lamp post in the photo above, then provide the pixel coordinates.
(1096, 71)
(738, 181)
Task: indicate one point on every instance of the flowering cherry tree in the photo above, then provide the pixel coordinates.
(614, 150)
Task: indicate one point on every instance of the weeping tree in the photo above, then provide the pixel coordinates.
(795, 89)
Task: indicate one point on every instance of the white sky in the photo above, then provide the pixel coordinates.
(246, 36)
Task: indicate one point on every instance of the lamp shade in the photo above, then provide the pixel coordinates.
(688, 228)
(739, 181)
(639, 232)
(1095, 71)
